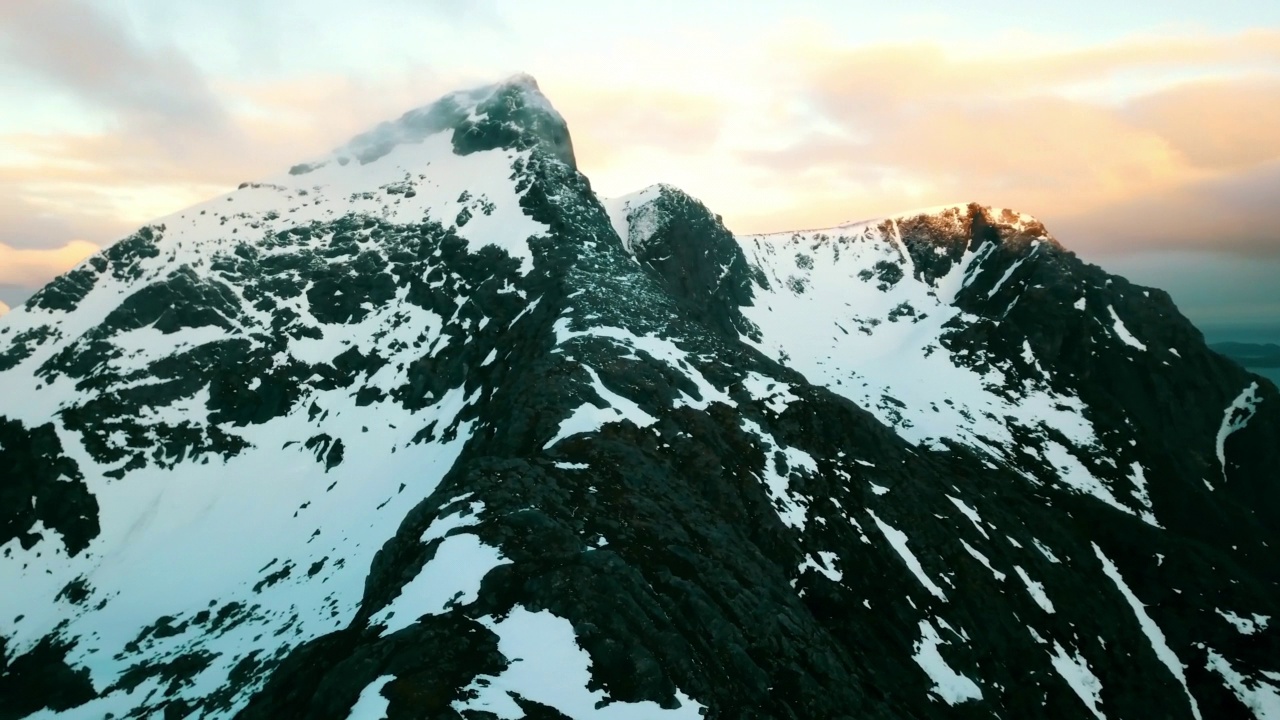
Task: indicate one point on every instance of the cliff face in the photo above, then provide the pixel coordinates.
(427, 429)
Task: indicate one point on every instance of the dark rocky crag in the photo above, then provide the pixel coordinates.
(711, 540)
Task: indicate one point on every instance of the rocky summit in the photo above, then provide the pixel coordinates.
(427, 429)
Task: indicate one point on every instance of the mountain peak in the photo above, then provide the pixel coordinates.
(633, 214)
(511, 113)
(520, 79)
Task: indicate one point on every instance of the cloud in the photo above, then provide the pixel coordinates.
(1218, 123)
(275, 124)
(1234, 213)
(904, 73)
(84, 50)
(609, 123)
(15, 295)
(39, 266)
(3, 308)
(895, 127)
(163, 127)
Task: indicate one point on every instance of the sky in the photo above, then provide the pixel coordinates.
(1144, 135)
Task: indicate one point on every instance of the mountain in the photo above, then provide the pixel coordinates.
(426, 429)
(1261, 355)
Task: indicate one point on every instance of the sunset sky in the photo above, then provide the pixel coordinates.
(1145, 135)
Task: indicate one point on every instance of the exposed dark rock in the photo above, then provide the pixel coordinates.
(696, 260)
(41, 679)
(40, 484)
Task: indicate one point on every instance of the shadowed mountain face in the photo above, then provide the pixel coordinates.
(425, 429)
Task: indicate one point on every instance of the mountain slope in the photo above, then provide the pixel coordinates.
(427, 429)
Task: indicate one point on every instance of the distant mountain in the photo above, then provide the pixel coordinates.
(1264, 355)
(427, 429)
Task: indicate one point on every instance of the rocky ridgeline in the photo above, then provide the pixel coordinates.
(426, 429)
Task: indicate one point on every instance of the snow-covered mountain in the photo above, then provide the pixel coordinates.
(425, 428)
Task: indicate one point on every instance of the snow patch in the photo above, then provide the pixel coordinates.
(825, 563)
(1075, 670)
(792, 508)
(548, 666)
(1237, 416)
(948, 684)
(1149, 628)
(1139, 477)
(999, 576)
(1261, 697)
(371, 705)
(1122, 332)
(774, 394)
(589, 418)
(1245, 625)
(1035, 589)
(969, 513)
(1044, 550)
(825, 310)
(634, 217)
(898, 540)
(1076, 476)
(1007, 273)
(451, 578)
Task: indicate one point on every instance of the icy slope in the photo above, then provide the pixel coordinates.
(972, 325)
(849, 308)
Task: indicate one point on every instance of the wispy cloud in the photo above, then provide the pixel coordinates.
(163, 126)
(77, 46)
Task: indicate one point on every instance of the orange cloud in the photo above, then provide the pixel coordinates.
(1234, 212)
(905, 72)
(1221, 124)
(29, 220)
(610, 122)
(23, 266)
(915, 126)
